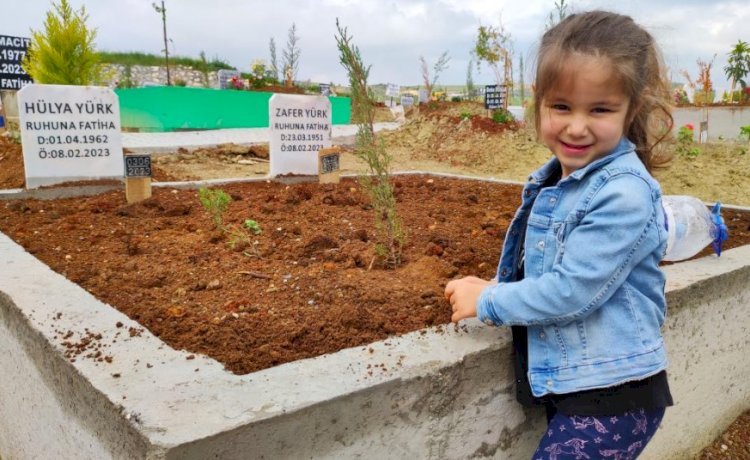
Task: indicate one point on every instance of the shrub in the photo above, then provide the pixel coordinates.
(685, 142)
(501, 116)
(64, 53)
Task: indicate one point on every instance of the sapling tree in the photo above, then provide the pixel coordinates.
(63, 53)
(204, 69)
(391, 235)
(440, 65)
(291, 56)
(274, 63)
(470, 89)
(704, 78)
(560, 12)
(163, 11)
(215, 202)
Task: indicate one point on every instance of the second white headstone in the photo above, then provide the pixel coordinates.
(299, 127)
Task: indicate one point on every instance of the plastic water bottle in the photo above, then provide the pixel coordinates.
(691, 227)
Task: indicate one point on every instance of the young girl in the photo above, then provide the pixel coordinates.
(579, 280)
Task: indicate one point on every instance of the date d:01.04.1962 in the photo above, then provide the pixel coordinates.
(72, 139)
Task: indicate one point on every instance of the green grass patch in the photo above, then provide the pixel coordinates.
(145, 59)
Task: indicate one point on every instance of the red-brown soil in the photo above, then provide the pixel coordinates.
(308, 284)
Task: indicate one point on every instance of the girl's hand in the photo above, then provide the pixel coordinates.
(463, 295)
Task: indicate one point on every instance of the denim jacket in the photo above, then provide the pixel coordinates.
(592, 295)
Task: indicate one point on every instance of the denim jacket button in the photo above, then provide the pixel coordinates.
(504, 272)
(540, 244)
(552, 200)
(549, 383)
(541, 335)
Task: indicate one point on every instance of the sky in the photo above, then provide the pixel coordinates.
(391, 35)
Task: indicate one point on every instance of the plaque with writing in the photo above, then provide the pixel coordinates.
(12, 52)
(137, 165)
(494, 96)
(329, 163)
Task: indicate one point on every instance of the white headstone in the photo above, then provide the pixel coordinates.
(407, 101)
(224, 77)
(299, 127)
(424, 96)
(69, 133)
(392, 90)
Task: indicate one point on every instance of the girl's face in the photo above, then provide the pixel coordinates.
(583, 117)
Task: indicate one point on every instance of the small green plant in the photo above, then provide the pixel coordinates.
(215, 202)
(502, 116)
(745, 132)
(685, 144)
(465, 115)
(253, 226)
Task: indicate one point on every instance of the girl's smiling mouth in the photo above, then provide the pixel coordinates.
(571, 149)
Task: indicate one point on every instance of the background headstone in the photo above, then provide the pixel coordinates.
(12, 52)
(299, 127)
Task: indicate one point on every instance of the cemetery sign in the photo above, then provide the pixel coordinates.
(494, 97)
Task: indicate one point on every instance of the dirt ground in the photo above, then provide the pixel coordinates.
(254, 301)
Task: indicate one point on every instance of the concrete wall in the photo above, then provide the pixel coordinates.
(443, 393)
(723, 122)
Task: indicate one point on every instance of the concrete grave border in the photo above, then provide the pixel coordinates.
(437, 393)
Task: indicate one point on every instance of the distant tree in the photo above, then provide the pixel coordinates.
(440, 65)
(163, 11)
(738, 65)
(64, 53)
(470, 80)
(204, 69)
(557, 15)
(494, 45)
(521, 83)
(291, 56)
(704, 78)
(274, 63)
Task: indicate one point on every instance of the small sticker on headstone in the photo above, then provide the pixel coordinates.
(329, 163)
(137, 165)
(137, 177)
